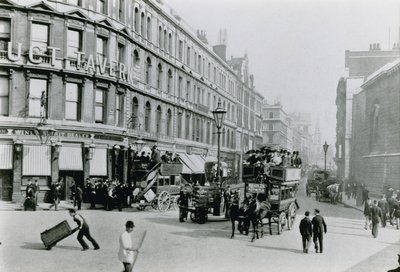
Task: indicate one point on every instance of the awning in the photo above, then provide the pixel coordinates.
(71, 158)
(98, 164)
(214, 159)
(198, 161)
(36, 160)
(192, 167)
(6, 156)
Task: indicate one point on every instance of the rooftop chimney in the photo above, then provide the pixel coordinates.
(202, 36)
(220, 49)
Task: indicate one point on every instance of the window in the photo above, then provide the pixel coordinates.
(143, 25)
(136, 20)
(101, 48)
(209, 71)
(74, 43)
(38, 98)
(208, 132)
(374, 125)
(187, 90)
(159, 77)
(119, 105)
(270, 127)
(160, 37)
(194, 129)
(215, 75)
(271, 115)
(100, 106)
(101, 6)
(180, 50)
(165, 40)
(198, 130)
(170, 43)
(208, 100)
(188, 56)
(169, 81)
(121, 53)
(121, 8)
(199, 65)
(4, 34)
(40, 38)
(147, 114)
(180, 87)
(187, 126)
(135, 58)
(179, 124)
(135, 111)
(270, 138)
(148, 71)
(148, 28)
(158, 119)
(169, 123)
(4, 95)
(72, 101)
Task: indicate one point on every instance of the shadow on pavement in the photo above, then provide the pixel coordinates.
(40, 246)
(352, 234)
(279, 248)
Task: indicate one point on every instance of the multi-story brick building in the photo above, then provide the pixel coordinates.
(375, 156)
(359, 65)
(81, 81)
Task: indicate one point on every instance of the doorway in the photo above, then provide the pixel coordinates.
(6, 185)
(69, 178)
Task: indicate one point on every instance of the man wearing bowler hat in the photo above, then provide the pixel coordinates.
(319, 228)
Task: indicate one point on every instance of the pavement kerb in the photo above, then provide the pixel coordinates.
(352, 203)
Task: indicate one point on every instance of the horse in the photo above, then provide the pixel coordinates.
(252, 213)
(333, 191)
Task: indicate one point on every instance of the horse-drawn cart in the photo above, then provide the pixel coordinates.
(314, 178)
(330, 190)
(158, 187)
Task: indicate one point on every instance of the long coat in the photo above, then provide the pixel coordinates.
(376, 214)
(319, 225)
(305, 227)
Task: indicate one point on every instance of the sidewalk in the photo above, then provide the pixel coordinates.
(17, 206)
(352, 203)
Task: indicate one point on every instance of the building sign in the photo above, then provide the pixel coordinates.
(90, 64)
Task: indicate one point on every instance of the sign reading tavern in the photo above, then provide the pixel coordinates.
(87, 63)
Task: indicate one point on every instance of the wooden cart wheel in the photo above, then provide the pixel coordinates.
(164, 201)
(291, 216)
(281, 222)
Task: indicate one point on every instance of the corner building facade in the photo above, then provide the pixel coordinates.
(98, 75)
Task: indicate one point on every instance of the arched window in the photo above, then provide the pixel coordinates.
(228, 140)
(271, 115)
(208, 132)
(143, 25)
(147, 117)
(232, 140)
(169, 122)
(198, 130)
(374, 124)
(170, 43)
(148, 71)
(228, 112)
(134, 121)
(135, 57)
(165, 40)
(148, 28)
(169, 81)
(136, 20)
(159, 77)
(160, 37)
(158, 119)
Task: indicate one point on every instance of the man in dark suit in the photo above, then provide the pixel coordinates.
(376, 216)
(319, 228)
(306, 231)
(383, 204)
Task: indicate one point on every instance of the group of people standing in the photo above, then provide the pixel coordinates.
(31, 195)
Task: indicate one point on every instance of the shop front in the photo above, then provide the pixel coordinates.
(70, 166)
(6, 173)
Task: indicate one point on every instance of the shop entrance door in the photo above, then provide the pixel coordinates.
(69, 178)
(6, 187)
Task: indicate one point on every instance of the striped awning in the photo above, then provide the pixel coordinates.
(193, 164)
(71, 158)
(6, 156)
(98, 164)
(36, 160)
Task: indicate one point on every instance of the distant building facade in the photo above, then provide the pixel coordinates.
(359, 65)
(98, 75)
(375, 156)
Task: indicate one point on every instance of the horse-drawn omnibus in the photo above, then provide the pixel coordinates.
(158, 187)
(284, 184)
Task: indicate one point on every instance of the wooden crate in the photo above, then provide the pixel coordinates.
(51, 237)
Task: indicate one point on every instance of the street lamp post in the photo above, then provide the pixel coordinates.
(219, 114)
(325, 146)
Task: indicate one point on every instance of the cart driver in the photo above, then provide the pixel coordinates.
(263, 206)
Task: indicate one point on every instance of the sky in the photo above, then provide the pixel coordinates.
(297, 48)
